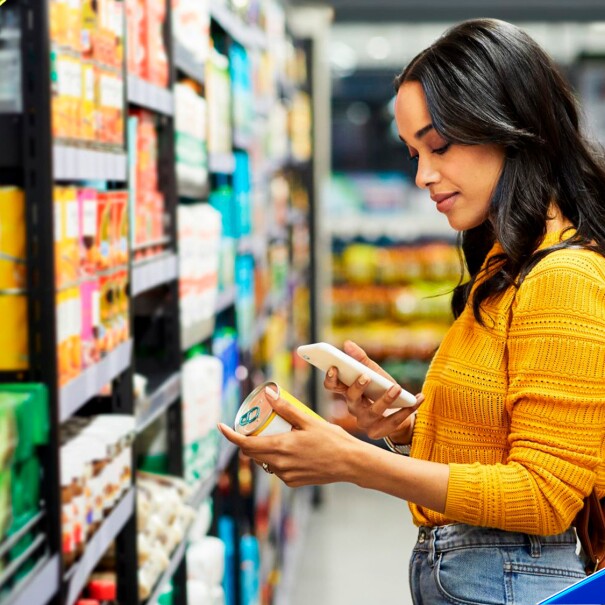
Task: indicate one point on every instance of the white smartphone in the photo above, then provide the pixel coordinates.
(324, 356)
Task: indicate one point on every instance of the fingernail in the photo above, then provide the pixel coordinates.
(394, 390)
(363, 379)
(330, 373)
(271, 393)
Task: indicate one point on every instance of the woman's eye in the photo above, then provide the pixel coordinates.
(442, 150)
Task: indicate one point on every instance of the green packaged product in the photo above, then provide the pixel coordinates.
(8, 431)
(6, 509)
(25, 489)
(39, 421)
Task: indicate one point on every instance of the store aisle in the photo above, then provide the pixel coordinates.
(356, 550)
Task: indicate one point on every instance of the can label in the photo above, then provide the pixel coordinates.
(257, 417)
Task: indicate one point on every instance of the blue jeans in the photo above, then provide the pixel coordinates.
(461, 564)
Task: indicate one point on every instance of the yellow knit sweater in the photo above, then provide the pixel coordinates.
(517, 410)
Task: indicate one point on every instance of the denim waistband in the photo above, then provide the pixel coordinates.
(460, 535)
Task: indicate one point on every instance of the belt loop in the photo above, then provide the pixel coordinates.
(535, 546)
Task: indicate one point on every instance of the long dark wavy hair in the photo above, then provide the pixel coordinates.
(487, 81)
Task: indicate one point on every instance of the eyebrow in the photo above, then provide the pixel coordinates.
(420, 133)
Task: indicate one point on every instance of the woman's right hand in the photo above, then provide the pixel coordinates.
(370, 414)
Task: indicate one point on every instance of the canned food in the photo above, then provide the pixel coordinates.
(256, 416)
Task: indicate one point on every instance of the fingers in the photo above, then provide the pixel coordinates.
(389, 424)
(231, 435)
(331, 382)
(297, 418)
(355, 351)
(253, 447)
(384, 403)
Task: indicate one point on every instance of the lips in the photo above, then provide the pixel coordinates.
(440, 197)
(445, 201)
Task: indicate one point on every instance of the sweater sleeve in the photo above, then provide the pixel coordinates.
(555, 404)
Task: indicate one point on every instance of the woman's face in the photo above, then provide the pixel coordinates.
(460, 178)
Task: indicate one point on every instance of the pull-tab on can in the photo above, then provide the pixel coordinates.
(256, 416)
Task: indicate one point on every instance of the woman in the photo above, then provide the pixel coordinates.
(509, 439)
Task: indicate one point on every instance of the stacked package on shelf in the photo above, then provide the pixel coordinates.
(199, 234)
(96, 471)
(225, 347)
(245, 301)
(222, 199)
(146, 52)
(13, 299)
(147, 201)
(24, 426)
(11, 100)
(91, 275)
(86, 71)
(202, 377)
(163, 518)
(218, 95)
(242, 190)
(191, 27)
(205, 571)
(190, 145)
(243, 106)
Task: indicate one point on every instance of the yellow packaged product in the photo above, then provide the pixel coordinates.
(63, 342)
(12, 239)
(88, 108)
(14, 332)
(71, 248)
(58, 21)
(58, 207)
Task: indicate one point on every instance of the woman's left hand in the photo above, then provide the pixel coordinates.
(314, 452)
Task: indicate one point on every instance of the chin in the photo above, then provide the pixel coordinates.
(458, 223)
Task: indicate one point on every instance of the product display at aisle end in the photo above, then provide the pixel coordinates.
(393, 269)
(154, 267)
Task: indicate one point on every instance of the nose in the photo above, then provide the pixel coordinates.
(427, 174)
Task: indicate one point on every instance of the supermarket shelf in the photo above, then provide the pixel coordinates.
(149, 96)
(225, 300)
(163, 241)
(188, 64)
(175, 561)
(204, 490)
(88, 384)
(252, 244)
(242, 140)
(151, 273)
(297, 217)
(160, 400)
(191, 190)
(208, 484)
(295, 546)
(39, 587)
(196, 334)
(246, 35)
(10, 132)
(225, 455)
(99, 544)
(10, 541)
(261, 325)
(278, 233)
(77, 164)
(408, 227)
(221, 163)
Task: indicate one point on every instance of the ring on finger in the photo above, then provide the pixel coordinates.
(266, 468)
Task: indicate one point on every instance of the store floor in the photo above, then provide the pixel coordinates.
(356, 550)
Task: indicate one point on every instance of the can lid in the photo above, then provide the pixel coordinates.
(255, 413)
